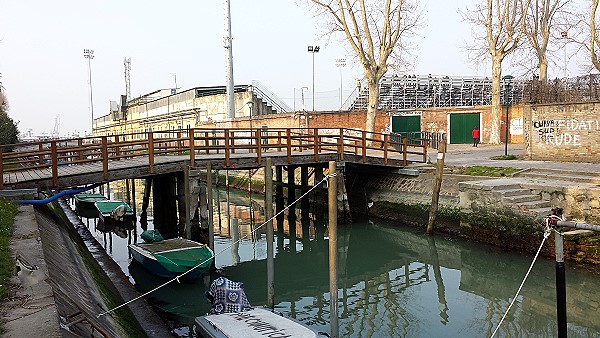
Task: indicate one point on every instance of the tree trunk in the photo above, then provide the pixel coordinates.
(496, 73)
(373, 104)
(543, 67)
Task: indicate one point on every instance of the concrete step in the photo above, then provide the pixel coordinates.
(561, 171)
(522, 198)
(508, 186)
(562, 176)
(545, 211)
(534, 205)
(514, 192)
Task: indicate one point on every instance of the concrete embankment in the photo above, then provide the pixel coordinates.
(82, 282)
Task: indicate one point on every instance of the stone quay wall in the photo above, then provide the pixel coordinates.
(564, 132)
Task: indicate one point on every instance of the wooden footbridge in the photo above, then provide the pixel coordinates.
(59, 164)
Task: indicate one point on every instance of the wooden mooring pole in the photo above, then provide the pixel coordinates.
(209, 196)
(435, 197)
(332, 203)
(270, 236)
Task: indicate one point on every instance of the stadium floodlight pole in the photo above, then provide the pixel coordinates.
(340, 63)
(313, 50)
(229, 65)
(89, 55)
(506, 79)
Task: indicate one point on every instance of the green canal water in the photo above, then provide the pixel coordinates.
(393, 281)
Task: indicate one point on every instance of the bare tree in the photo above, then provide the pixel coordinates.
(374, 29)
(594, 40)
(541, 28)
(498, 29)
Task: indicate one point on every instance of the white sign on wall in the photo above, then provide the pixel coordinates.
(516, 126)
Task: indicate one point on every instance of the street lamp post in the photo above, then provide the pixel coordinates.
(340, 63)
(174, 91)
(89, 54)
(313, 50)
(506, 79)
(564, 35)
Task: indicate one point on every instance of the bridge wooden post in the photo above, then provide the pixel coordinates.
(404, 150)
(258, 147)
(386, 143)
(279, 193)
(316, 147)
(79, 149)
(179, 149)
(279, 140)
(1, 170)
(54, 162)
(117, 148)
(151, 151)
(364, 146)
(104, 158)
(232, 140)
(41, 157)
(288, 135)
(192, 148)
(227, 147)
(207, 144)
(341, 144)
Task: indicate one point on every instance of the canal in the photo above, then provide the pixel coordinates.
(394, 281)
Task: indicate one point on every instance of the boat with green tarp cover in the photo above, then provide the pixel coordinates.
(172, 257)
(84, 204)
(114, 212)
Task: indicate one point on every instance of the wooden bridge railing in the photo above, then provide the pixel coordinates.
(50, 155)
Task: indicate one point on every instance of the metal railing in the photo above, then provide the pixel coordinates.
(271, 99)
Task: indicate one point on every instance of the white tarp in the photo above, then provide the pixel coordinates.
(258, 323)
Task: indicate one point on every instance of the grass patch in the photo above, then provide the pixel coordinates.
(490, 171)
(7, 215)
(505, 157)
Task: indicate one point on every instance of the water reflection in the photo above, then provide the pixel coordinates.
(393, 281)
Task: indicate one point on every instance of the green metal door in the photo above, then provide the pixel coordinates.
(406, 124)
(461, 126)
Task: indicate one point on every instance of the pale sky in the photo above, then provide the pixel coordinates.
(45, 74)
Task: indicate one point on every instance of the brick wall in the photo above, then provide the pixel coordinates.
(565, 132)
(432, 119)
(437, 120)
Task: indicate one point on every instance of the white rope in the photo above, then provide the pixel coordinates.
(220, 252)
(547, 232)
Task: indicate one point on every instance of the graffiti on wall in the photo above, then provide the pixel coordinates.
(563, 132)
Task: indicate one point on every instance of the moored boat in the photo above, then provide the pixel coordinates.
(85, 204)
(233, 316)
(172, 257)
(114, 212)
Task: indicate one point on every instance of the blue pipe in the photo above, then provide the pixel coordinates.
(59, 195)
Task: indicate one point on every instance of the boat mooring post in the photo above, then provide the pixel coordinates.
(561, 292)
(332, 206)
(270, 237)
(209, 196)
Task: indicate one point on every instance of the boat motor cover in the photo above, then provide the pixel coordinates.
(151, 236)
(228, 296)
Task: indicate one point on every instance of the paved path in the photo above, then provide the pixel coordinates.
(38, 316)
(467, 155)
